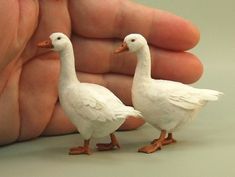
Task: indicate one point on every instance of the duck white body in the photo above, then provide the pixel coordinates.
(93, 109)
(167, 105)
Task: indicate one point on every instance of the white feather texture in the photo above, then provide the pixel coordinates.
(167, 105)
(93, 109)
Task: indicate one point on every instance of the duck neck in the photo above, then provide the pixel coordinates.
(143, 68)
(67, 64)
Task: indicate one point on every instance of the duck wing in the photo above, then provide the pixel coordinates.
(112, 103)
(184, 96)
(96, 103)
(190, 98)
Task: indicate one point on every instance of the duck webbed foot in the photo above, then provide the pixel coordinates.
(81, 149)
(158, 143)
(168, 140)
(108, 146)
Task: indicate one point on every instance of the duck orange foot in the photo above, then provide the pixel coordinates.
(166, 141)
(158, 143)
(81, 149)
(108, 146)
(151, 148)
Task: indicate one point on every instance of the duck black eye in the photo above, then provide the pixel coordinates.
(58, 38)
(132, 40)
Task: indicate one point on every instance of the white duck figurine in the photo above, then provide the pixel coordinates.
(166, 105)
(93, 109)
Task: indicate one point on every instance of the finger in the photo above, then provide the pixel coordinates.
(108, 19)
(53, 20)
(97, 56)
(168, 65)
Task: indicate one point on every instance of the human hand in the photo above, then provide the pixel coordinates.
(29, 105)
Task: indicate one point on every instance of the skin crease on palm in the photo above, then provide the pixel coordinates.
(29, 105)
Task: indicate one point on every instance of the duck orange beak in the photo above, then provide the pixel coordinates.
(45, 44)
(122, 48)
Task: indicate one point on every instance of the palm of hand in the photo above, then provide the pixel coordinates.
(29, 103)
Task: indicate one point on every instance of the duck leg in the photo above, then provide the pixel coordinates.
(105, 147)
(168, 140)
(155, 145)
(81, 149)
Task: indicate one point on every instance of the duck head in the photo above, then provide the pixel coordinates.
(132, 43)
(56, 42)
